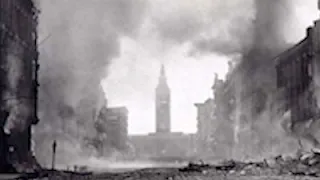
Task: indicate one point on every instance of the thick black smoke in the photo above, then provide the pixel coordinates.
(83, 40)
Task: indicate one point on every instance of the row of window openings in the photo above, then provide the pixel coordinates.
(305, 55)
(303, 59)
(301, 73)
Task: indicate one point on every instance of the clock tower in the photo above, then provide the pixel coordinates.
(163, 104)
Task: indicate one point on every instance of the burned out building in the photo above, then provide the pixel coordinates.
(298, 81)
(205, 123)
(258, 92)
(18, 92)
(112, 127)
(268, 88)
(247, 98)
(294, 78)
(223, 117)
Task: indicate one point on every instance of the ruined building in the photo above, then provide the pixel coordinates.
(215, 119)
(298, 81)
(117, 127)
(205, 124)
(272, 86)
(112, 127)
(18, 92)
(294, 79)
(224, 101)
(247, 98)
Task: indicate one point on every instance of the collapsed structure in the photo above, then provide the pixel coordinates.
(261, 91)
(18, 92)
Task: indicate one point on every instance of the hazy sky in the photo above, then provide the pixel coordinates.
(166, 35)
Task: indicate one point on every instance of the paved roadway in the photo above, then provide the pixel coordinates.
(165, 174)
(175, 174)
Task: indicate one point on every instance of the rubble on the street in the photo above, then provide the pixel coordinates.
(303, 164)
(306, 164)
(194, 167)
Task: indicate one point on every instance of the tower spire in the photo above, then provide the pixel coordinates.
(163, 71)
(162, 77)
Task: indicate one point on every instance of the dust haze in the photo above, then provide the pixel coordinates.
(83, 40)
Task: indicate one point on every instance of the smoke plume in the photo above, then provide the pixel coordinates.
(83, 38)
(268, 40)
(257, 30)
(252, 25)
(265, 38)
(210, 26)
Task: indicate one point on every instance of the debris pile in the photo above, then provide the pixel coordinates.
(306, 164)
(303, 164)
(195, 167)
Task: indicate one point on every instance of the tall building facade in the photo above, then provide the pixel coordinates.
(117, 127)
(205, 125)
(18, 82)
(298, 83)
(112, 127)
(163, 121)
(165, 146)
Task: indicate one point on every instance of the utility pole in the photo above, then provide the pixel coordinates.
(54, 147)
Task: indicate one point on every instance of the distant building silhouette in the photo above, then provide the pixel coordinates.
(112, 128)
(163, 121)
(205, 123)
(117, 127)
(163, 144)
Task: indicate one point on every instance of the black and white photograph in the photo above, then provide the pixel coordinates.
(159, 89)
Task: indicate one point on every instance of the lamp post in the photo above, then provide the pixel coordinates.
(54, 147)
